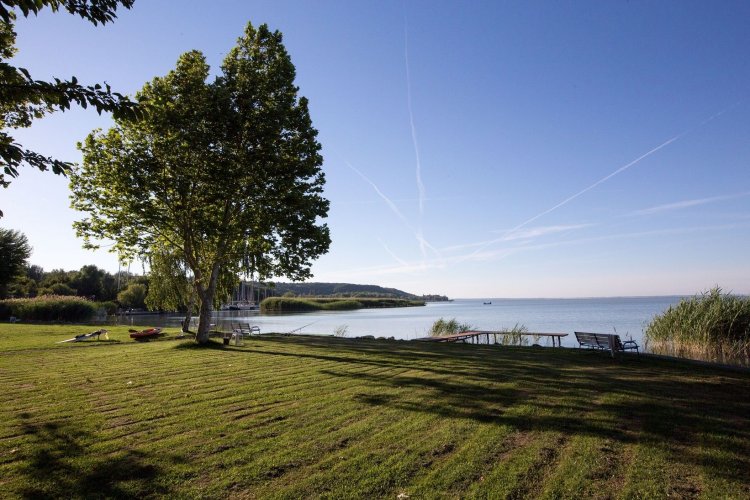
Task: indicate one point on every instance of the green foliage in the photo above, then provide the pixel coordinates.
(443, 327)
(290, 304)
(24, 99)
(48, 308)
(712, 325)
(515, 335)
(133, 297)
(109, 306)
(94, 11)
(88, 282)
(57, 289)
(226, 174)
(170, 286)
(14, 252)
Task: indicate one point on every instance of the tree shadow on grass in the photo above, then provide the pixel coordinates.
(60, 465)
(698, 413)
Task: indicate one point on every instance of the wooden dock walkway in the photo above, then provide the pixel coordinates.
(476, 337)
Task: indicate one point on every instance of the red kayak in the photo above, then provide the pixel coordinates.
(146, 334)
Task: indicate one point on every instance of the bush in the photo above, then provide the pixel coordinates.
(712, 325)
(442, 327)
(58, 289)
(109, 306)
(134, 296)
(515, 335)
(48, 308)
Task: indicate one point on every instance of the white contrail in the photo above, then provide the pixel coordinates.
(420, 184)
(616, 172)
(579, 193)
(387, 200)
(395, 257)
(423, 243)
(679, 205)
(600, 181)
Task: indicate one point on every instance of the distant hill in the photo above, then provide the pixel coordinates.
(346, 290)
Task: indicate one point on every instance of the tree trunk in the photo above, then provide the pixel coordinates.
(189, 314)
(207, 305)
(204, 323)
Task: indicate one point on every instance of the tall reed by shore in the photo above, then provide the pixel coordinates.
(712, 326)
(48, 308)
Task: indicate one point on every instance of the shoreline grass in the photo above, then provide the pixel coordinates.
(712, 326)
(304, 416)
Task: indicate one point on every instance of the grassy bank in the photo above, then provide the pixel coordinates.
(295, 304)
(293, 417)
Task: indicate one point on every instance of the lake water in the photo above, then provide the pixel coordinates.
(627, 316)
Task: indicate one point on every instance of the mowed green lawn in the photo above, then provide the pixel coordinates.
(295, 417)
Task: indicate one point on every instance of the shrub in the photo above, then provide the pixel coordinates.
(134, 296)
(109, 306)
(442, 327)
(57, 289)
(48, 308)
(515, 336)
(712, 325)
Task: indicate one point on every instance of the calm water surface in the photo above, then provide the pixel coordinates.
(627, 316)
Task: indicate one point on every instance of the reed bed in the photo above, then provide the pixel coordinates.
(48, 308)
(298, 304)
(442, 327)
(516, 335)
(711, 326)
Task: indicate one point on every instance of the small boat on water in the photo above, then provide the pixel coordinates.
(487, 303)
(149, 333)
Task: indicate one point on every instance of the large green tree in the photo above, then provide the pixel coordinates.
(226, 173)
(24, 99)
(14, 254)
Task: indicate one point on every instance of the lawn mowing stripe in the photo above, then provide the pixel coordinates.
(356, 418)
(520, 471)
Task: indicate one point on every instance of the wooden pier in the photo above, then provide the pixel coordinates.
(476, 337)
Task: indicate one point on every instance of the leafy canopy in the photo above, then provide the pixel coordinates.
(225, 176)
(14, 254)
(24, 99)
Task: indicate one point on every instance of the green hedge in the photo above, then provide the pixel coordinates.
(48, 308)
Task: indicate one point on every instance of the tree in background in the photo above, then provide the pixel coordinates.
(23, 99)
(133, 297)
(225, 174)
(14, 252)
(88, 282)
(171, 285)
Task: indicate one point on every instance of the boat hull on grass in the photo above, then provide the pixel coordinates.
(147, 334)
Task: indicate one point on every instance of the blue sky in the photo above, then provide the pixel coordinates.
(474, 149)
